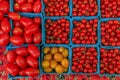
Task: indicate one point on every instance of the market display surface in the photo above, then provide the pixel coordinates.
(55, 39)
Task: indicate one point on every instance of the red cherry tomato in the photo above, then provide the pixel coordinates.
(32, 29)
(13, 69)
(20, 1)
(16, 40)
(18, 31)
(26, 22)
(32, 72)
(17, 7)
(31, 61)
(14, 16)
(28, 38)
(37, 6)
(34, 51)
(4, 39)
(21, 62)
(27, 7)
(30, 1)
(4, 6)
(1, 15)
(5, 25)
(37, 38)
(22, 51)
(17, 24)
(11, 56)
(37, 20)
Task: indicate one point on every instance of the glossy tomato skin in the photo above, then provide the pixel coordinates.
(20, 1)
(14, 16)
(1, 15)
(4, 6)
(37, 6)
(4, 39)
(11, 56)
(22, 73)
(32, 72)
(17, 24)
(5, 25)
(18, 31)
(30, 1)
(32, 29)
(26, 22)
(16, 40)
(37, 38)
(37, 20)
(28, 38)
(16, 7)
(13, 69)
(27, 7)
(33, 50)
(1, 31)
(21, 62)
(31, 61)
(21, 51)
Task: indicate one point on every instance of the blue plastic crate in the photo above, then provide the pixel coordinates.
(98, 14)
(12, 48)
(98, 57)
(87, 18)
(42, 57)
(100, 38)
(109, 48)
(70, 7)
(30, 15)
(54, 19)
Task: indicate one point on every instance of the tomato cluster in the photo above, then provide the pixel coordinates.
(4, 6)
(57, 31)
(23, 61)
(85, 8)
(85, 31)
(4, 30)
(26, 30)
(84, 60)
(57, 7)
(110, 8)
(28, 6)
(109, 61)
(110, 31)
(55, 59)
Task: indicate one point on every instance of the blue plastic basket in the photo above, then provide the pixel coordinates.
(42, 57)
(30, 15)
(54, 19)
(14, 47)
(98, 57)
(88, 18)
(105, 20)
(107, 74)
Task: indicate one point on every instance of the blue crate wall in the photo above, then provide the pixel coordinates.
(54, 45)
(98, 14)
(70, 7)
(14, 77)
(12, 2)
(107, 74)
(105, 20)
(30, 16)
(54, 19)
(98, 57)
(88, 18)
